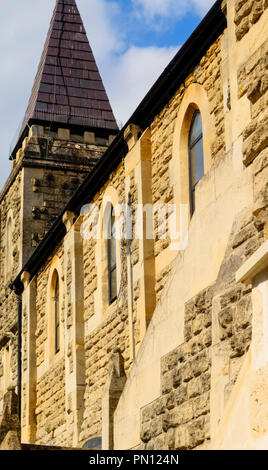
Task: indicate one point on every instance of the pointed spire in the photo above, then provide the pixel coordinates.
(68, 89)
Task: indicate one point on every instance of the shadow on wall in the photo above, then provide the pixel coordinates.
(10, 423)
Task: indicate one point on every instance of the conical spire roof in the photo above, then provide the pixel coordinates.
(68, 88)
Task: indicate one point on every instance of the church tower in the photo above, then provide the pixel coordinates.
(67, 126)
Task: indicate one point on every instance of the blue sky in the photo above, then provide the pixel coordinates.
(132, 40)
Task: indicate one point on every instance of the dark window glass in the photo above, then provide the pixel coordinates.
(112, 258)
(196, 156)
(57, 316)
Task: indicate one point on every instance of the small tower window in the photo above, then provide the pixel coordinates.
(57, 314)
(112, 271)
(6, 366)
(196, 156)
(9, 247)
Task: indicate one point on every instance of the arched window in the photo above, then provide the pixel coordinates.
(6, 367)
(196, 156)
(56, 311)
(9, 247)
(111, 249)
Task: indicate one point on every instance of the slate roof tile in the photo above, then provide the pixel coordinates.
(68, 87)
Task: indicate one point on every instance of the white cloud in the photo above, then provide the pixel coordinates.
(102, 23)
(128, 73)
(169, 9)
(130, 76)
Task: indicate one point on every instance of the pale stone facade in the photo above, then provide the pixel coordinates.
(179, 359)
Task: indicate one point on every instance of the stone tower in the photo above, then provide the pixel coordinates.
(67, 126)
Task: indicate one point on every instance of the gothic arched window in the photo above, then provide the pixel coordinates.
(196, 156)
(9, 247)
(111, 251)
(56, 303)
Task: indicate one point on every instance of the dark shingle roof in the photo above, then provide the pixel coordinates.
(68, 88)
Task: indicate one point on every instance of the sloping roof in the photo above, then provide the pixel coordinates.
(164, 88)
(68, 88)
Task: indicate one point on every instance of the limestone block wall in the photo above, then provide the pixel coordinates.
(202, 314)
(10, 206)
(47, 170)
(247, 13)
(135, 256)
(179, 418)
(55, 164)
(194, 381)
(106, 327)
(42, 320)
(105, 330)
(198, 376)
(208, 74)
(112, 333)
(232, 213)
(51, 407)
(217, 321)
(47, 376)
(253, 81)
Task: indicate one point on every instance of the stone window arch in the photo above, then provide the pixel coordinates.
(196, 156)
(6, 364)
(54, 312)
(111, 255)
(9, 246)
(194, 103)
(108, 258)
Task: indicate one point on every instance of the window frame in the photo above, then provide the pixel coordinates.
(9, 257)
(111, 256)
(56, 308)
(190, 148)
(6, 361)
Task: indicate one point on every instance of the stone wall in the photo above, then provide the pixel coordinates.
(50, 412)
(11, 202)
(8, 303)
(10, 423)
(253, 81)
(47, 171)
(51, 408)
(42, 320)
(179, 419)
(216, 321)
(135, 256)
(111, 331)
(232, 302)
(247, 13)
(209, 75)
(55, 164)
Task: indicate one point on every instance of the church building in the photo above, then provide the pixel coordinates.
(134, 262)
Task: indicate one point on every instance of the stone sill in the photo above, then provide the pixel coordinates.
(254, 265)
